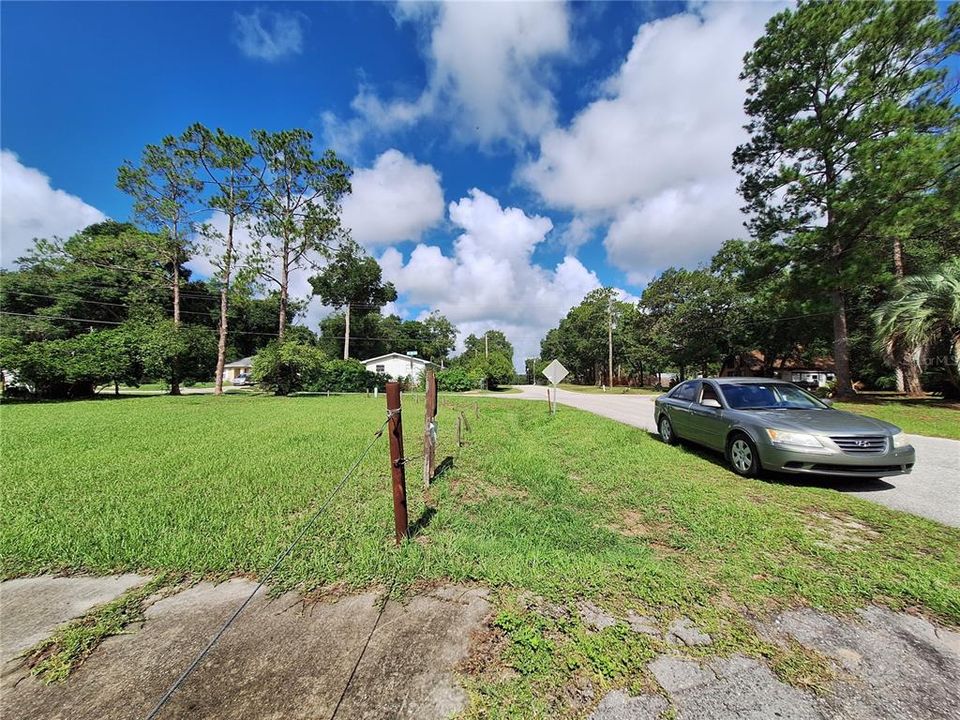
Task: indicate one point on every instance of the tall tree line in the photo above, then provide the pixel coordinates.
(274, 185)
(851, 186)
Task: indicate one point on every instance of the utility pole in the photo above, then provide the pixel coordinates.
(486, 344)
(346, 334)
(610, 338)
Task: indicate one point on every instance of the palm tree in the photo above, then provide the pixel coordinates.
(924, 314)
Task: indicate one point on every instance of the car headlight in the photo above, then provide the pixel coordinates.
(785, 437)
(900, 440)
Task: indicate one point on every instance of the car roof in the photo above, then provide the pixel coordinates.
(745, 380)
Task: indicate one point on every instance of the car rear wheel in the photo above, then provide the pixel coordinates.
(742, 454)
(665, 427)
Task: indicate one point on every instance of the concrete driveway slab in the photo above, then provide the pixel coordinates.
(902, 666)
(280, 659)
(32, 608)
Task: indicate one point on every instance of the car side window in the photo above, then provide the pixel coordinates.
(708, 393)
(686, 392)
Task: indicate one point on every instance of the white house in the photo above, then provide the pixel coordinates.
(397, 366)
(237, 367)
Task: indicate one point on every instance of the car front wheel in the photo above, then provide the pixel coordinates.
(665, 427)
(742, 454)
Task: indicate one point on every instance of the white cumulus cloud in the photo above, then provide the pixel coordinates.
(269, 34)
(31, 208)
(487, 73)
(654, 152)
(395, 200)
(489, 280)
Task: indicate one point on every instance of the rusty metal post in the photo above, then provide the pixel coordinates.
(395, 430)
(429, 428)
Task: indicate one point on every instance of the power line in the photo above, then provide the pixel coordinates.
(283, 556)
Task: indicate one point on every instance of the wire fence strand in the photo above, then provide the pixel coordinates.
(155, 713)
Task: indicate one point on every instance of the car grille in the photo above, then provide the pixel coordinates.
(860, 444)
(866, 469)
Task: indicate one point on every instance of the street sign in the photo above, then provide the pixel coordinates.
(555, 372)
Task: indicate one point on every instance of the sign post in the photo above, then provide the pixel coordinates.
(555, 372)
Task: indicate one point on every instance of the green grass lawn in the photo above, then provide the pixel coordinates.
(544, 510)
(595, 390)
(920, 417)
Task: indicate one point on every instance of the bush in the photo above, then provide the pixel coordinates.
(346, 376)
(825, 391)
(284, 367)
(458, 379)
(73, 368)
(492, 370)
(885, 382)
(187, 353)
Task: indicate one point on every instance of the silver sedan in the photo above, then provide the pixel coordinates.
(762, 424)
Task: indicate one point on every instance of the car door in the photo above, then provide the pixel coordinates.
(707, 425)
(679, 412)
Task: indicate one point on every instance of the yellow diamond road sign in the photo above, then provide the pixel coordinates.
(555, 372)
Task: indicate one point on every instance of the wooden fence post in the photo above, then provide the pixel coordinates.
(395, 429)
(460, 430)
(429, 428)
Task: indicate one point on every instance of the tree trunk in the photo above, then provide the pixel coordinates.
(284, 282)
(346, 334)
(175, 370)
(907, 371)
(610, 339)
(841, 344)
(224, 290)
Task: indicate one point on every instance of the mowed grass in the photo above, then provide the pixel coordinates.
(919, 417)
(569, 503)
(544, 510)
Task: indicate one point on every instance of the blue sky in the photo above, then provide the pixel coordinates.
(510, 157)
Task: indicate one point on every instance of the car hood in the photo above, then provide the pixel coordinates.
(825, 422)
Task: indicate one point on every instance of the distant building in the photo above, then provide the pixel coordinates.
(818, 370)
(397, 366)
(243, 366)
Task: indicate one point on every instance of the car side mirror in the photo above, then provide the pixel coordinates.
(827, 401)
(711, 403)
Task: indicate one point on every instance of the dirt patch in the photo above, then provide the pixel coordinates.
(839, 530)
(472, 490)
(633, 524)
(485, 654)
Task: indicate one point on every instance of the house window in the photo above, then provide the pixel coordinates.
(381, 368)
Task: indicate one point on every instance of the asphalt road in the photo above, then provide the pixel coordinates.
(932, 490)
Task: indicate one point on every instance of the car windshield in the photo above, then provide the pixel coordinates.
(762, 396)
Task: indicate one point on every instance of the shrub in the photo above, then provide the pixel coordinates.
(284, 367)
(73, 368)
(885, 382)
(458, 379)
(346, 376)
(187, 353)
(492, 370)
